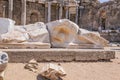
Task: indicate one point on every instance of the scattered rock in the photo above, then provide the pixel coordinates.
(53, 72)
(32, 65)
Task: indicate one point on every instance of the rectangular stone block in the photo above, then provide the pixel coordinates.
(95, 55)
(59, 55)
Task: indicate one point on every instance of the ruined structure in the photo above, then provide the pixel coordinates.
(88, 14)
(23, 11)
(59, 34)
(112, 10)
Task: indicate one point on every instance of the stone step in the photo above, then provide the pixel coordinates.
(58, 55)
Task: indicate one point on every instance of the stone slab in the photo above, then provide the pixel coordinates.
(84, 46)
(58, 55)
(31, 45)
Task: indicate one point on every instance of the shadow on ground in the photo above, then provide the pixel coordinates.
(39, 77)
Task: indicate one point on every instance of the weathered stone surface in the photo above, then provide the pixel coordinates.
(25, 45)
(80, 39)
(89, 37)
(29, 33)
(6, 25)
(52, 72)
(20, 28)
(89, 15)
(112, 37)
(62, 32)
(14, 37)
(42, 55)
(32, 65)
(112, 9)
(97, 40)
(9, 33)
(37, 32)
(84, 46)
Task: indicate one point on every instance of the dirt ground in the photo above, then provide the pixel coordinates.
(74, 70)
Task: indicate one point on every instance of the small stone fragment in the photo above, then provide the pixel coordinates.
(32, 65)
(53, 72)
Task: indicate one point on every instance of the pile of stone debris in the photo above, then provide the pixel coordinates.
(49, 71)
(59, 33)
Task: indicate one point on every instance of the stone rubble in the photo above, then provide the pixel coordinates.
(59, 33)
(53, 72)
(32, 65)
(49, 71)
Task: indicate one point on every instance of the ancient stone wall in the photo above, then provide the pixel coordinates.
(17, 10)
(93, 14)
(90, 18)
(3, 8)
(35, 13)
(112, 9)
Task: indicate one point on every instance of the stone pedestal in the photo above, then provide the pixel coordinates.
(59, 55)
